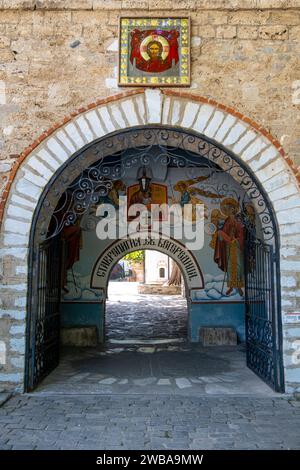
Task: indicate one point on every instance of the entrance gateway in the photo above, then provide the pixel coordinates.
(185, 165)
(80, 178)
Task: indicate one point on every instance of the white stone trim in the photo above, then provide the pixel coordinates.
(85, 128)
(140, 108)
(118, 116)
(214, 124)
(74, 135)
(154, 100)
(203, 117)
(235, 134)
(190, 112)
(95, 123)
(65, 141)
(223, 130)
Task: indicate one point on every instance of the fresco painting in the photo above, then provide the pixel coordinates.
(227, 211)
(155, 194)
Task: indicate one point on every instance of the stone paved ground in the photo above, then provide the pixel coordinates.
(178, 368)
(149, 422)
(150, 394)
(143, 316)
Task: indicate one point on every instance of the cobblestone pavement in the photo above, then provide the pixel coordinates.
(148, 422)
(140, 316)
(152, 393)
(176, 368)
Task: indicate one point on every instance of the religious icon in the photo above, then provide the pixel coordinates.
(154, 195)
(154, 52)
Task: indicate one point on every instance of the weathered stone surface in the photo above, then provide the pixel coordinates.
(117, 421)
(210, 336)
(234, 42)
(158, 289)
(145, 317)
(83, 336)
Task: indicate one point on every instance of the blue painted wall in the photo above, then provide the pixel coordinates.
(81, 313)
(217, 314)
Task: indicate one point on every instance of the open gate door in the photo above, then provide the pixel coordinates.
(44, 352)
(262, 304)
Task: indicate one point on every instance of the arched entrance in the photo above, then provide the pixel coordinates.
(225, 139)
(92, 183)
(192, 276)
(142, 307)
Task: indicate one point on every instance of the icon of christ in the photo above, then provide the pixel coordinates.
(154, 51)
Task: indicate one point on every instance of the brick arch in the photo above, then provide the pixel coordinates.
(246, 139)
(168, 96)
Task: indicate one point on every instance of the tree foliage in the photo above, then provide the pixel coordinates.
(135, 256)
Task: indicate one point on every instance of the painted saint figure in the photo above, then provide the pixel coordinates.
(154, 51)
(228, 244)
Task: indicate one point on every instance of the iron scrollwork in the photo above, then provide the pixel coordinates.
(144, 147)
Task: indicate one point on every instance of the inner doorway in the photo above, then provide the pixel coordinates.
(145, 304)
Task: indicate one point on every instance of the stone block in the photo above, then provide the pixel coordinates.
(248, 32)
(243, 142)
(218, 336)
(273, 33)
(83, 336)
(190, 112)
(203, 117)
(82, 123)
(159, 289)
(226, 32)
(153, 105)
(207, 31)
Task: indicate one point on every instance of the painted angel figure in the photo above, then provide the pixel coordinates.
(228, 243)
(189, 194)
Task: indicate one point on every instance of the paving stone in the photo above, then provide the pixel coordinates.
(123, 382)
(145, 381)
(146, 350)
(119, 428)
(134, 322)
(183, 383)
(108, 381)
(164, 382)
(4, 397)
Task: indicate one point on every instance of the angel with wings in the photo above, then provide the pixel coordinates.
(228, 243)
(189, 194)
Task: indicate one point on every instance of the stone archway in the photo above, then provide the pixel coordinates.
(192, 276)
(40, 163)
(186, 261)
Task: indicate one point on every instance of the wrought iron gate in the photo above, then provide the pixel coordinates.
(263, 340)
(46, 329)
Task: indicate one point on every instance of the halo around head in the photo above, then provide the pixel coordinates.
(156, 38)
(229, 201)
